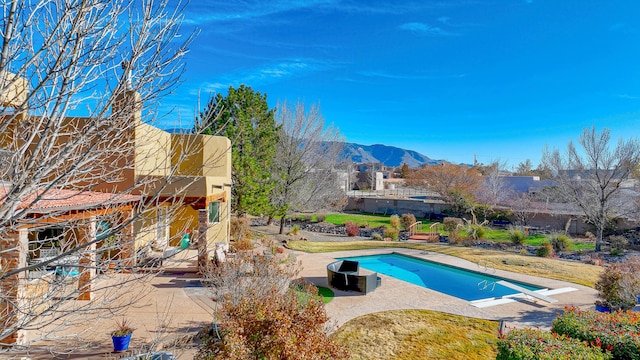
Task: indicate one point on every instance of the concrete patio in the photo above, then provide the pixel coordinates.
(176, 306)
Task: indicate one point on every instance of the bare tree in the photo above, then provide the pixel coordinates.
(591, 178)
(524, 207)
(264, 313)
(524, 168)
(78, 191)
(493, 189)
(372, 176)
(306, 160)
(456, 184)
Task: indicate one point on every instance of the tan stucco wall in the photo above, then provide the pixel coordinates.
(13, 90)
(152, 152)
(201, 155)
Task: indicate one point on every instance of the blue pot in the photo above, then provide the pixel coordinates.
(602, 308)
(121, 343)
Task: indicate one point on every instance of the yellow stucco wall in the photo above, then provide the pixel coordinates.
(186, 218)
(220, 231)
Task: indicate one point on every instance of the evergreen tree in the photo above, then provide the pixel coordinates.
(404, 170)
(245, 118)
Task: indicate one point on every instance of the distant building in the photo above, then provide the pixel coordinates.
(526, 184)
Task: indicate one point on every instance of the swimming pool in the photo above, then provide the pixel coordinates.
(464, 284)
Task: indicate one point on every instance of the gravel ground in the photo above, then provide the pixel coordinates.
(272, 230)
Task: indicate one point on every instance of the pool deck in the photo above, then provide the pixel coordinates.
(396, 294)
(190, 307)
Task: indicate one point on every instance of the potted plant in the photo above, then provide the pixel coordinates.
(121, 336)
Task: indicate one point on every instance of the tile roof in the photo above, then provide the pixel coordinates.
(63, 199)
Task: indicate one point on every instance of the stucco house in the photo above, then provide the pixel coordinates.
(161, 187)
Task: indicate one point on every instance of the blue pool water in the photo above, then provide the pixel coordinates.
(461, 283)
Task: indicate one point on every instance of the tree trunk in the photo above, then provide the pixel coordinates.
(282, 220)
(600, 231)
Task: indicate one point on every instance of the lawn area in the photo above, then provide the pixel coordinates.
(373, 221)
(497, 235)
(574, 272)
(418, 334)
(502, 235)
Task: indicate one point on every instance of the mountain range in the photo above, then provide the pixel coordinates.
(367, 154)
(387, 155)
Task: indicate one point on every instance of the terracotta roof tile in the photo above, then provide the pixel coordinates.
(58, 199)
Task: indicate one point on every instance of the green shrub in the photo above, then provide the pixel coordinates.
(303, 217)
(517, 237)
(475, 231)
(618, 285)
(406, 220)
(321, 217)
(295, 230)
(560, 242)
(618, 243)
(617, 332)
(530, 344)
(544, 250)
(394, 221)
(376, 236)
(352, 228)
(451, 224)
(391, 234)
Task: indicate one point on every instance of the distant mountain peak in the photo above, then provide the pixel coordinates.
(384, 154)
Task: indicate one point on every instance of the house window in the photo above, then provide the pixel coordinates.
(214, 212)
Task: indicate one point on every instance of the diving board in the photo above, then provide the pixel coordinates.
(526, 291)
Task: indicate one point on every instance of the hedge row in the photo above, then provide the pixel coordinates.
(577, 334)
(617, 332)
(530, 344)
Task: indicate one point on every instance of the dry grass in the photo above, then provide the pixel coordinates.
(574, 272)
(418, 334)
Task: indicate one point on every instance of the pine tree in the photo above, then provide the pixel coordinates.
(244, 117)
(404, 170)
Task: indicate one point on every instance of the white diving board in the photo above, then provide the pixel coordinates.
(526, 291)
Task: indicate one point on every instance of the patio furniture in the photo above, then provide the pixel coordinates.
(344, 275)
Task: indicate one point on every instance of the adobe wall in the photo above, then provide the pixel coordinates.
(417, 207)
(420, 208)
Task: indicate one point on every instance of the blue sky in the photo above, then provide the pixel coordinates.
(450, 79)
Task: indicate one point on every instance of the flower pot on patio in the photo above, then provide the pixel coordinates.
(121, 336)
(121, 343)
